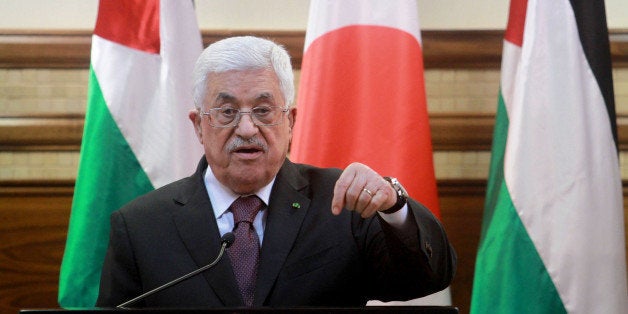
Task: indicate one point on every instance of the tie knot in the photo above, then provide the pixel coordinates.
(245, 208)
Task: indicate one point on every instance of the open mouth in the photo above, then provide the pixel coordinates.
(248, 152)
(247, 148)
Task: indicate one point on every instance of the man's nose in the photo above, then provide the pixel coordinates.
(246, 127)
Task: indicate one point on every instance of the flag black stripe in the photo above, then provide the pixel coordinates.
(593, 31)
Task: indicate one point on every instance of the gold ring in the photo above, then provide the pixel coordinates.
(368, 192)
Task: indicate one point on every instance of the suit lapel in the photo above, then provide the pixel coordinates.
(199, 232)
(286, 212)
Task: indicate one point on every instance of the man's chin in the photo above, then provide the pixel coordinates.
(247, 182)
(246, 177)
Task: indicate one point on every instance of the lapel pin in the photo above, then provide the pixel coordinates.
(296, 205)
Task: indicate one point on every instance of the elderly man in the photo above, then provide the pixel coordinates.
(304, 236)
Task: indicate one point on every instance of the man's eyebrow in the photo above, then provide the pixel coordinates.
(223, 97)
(265, 96)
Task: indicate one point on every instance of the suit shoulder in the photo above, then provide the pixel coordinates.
(317, 173)
(159, 198)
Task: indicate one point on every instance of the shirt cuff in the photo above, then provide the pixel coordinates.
(396, 219)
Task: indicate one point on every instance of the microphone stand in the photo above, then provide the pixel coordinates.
(225, 244)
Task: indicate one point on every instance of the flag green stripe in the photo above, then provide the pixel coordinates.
(510, 276)
(109, 175)
(496, 168)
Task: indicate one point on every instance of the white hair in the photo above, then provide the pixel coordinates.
(243, 53)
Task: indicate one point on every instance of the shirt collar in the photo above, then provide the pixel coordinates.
(222, 197)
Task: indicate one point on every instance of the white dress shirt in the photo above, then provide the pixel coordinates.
(222, 197)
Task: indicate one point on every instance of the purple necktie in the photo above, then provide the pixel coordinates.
(244, 253)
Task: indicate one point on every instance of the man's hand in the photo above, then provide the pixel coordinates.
(362, 189)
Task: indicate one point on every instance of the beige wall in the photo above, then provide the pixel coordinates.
(64, 91)
(272, 14)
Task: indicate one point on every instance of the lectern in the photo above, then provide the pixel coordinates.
(306, 310)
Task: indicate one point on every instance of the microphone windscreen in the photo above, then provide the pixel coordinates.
(228, 238)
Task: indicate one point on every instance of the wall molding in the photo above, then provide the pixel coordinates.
(65, 188)
(36, 188)
(58, 132)
(51, 132)
(70, 49)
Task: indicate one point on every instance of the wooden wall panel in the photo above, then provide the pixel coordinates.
(462, 205)
(33, 226)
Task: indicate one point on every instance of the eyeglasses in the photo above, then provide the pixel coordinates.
(224, 117)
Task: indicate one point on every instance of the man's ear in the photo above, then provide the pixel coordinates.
(292, 116)
(195, 117)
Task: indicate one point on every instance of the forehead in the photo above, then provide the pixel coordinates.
(243, 86)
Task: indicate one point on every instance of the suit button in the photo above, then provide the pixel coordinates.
(428, 249)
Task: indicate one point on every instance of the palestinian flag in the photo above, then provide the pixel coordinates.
(137, 135)
(553, 231)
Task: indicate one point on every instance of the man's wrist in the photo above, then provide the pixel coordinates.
(402, 196)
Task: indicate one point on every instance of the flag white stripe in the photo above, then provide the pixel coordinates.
(511, 57)
(368, 12)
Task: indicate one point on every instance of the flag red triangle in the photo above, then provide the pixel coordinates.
(133, 23)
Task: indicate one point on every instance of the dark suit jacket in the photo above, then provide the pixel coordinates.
(309, 257)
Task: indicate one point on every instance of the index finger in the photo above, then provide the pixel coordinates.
(340, 190)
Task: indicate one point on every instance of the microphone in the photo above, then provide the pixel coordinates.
(225, 242)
